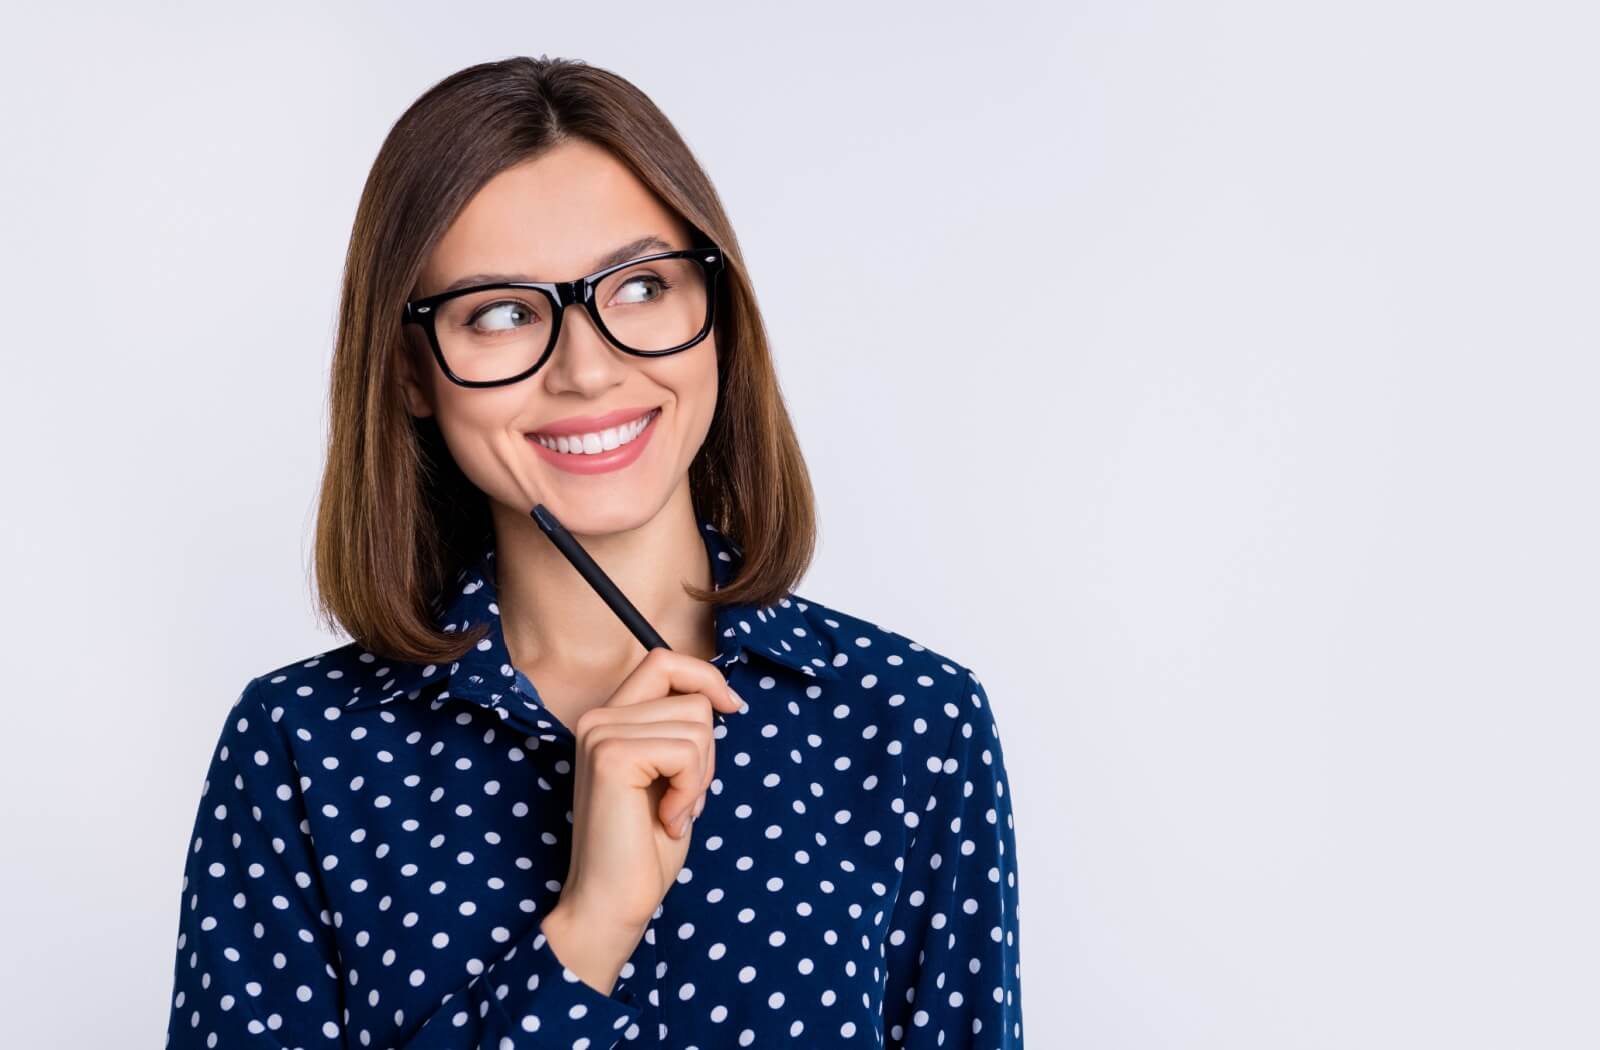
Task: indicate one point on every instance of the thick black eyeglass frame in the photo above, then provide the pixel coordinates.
(562, 294)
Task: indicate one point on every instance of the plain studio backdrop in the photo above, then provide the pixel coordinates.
(1216, 380)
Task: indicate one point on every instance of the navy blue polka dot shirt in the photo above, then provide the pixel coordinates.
(377, 843)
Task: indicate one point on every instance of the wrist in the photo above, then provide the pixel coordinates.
(595, 950)
(596, 919)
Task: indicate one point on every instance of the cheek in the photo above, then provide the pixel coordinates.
(693, 382)
(476, 425)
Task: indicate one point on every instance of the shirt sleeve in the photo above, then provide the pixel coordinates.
(258, 966)
(954, 968)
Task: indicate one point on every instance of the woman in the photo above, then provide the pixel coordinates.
(487, 821)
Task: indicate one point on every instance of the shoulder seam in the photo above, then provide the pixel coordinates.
(944, 753)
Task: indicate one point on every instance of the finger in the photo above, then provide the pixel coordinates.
(694, 708)
(695, 730)
(664, 671)
(678, 798)
(676, 707)
(639, 761)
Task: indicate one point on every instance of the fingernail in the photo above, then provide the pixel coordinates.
(699, 805)
(737, 698)
(683, 826)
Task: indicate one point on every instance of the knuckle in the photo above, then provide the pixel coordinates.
(693, 755)
(585, 722)
(607, 752)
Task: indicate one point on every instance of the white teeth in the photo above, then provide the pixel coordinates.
(597, 442)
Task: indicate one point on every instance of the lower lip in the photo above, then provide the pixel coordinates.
(600, 462)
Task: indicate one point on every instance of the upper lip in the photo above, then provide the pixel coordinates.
(593, 424)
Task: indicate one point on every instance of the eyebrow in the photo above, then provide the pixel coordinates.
(621, 253)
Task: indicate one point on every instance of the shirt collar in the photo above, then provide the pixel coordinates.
(778, 633)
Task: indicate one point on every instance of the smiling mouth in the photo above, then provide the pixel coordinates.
(597, 442)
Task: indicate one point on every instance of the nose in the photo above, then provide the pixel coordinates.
(583, 358)
(574, 317)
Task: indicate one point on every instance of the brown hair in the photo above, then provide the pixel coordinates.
(397, 519)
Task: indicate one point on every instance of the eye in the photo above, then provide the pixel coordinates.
(503, 316)
(642, 288)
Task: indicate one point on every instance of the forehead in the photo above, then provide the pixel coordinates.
(550, 218)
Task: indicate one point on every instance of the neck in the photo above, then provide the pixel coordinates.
(554, 620)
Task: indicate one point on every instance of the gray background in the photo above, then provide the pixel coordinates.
(1253, 470)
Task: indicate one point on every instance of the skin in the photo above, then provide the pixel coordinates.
(643, 722)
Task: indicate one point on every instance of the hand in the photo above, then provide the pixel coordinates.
(644, 761)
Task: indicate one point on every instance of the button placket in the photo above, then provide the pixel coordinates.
(527, 696)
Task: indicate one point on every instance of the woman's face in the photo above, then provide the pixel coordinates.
(553, 219)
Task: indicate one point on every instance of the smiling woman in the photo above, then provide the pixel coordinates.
(486, 821)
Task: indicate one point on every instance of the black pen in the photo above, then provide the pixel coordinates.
(597, 579)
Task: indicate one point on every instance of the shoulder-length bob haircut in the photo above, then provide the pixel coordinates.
(396, 517)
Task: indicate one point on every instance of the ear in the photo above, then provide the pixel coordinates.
(417, 393)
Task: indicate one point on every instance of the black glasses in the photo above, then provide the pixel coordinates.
(494, 334)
